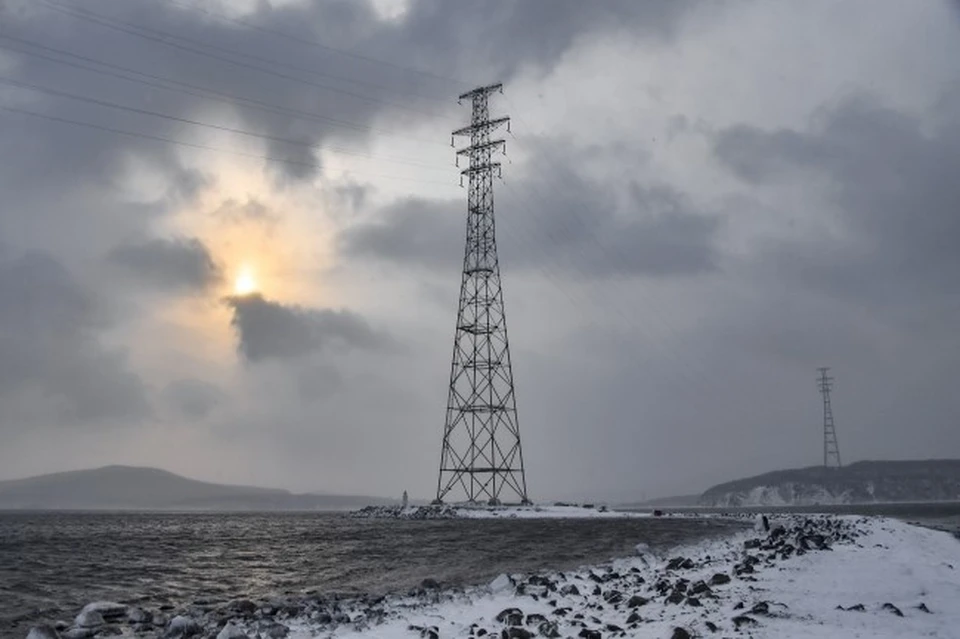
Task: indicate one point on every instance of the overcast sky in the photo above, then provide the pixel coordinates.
(702, 203)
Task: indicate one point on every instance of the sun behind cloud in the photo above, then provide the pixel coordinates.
(246, 282)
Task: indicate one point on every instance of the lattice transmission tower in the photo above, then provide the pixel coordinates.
(831, 450)
(481, 458)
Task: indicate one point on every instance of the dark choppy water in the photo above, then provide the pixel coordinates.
(51, 564)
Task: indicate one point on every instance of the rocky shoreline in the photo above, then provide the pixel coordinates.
(607, 601)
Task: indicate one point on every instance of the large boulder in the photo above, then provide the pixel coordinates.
(43, 632)
(89, 619)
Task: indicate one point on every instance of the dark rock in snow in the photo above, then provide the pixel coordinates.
(511, 617)
(693, 601)
(891, 608)
(535, 619)
(612, 627)
(549, 629)
(613, 596)
(923, 607)
(636, 601)
(743, 620)
(515, 632)
(569, 589)
(681, 633)
(634, 618)
(711, 626)
(761, 608)
(675, 597)
(587, 633)
(700, 588)
(719, 579)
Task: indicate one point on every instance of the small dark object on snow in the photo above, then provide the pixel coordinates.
(680, 633)
(612, 627)
(693, 601)
(719, 579)
(742, 620)
(761, 608)
(675, 597)
(636, 601)
(739, 606)
(699, 588)
(634, 618)
(853, 608)
(766, 523)
(889, 606)
(515, 633)
(511, 617)
(587, 633)
(924, 608)
(751, 543)
(549, 629)
(535, 619)
(712, 626)
(658, 513)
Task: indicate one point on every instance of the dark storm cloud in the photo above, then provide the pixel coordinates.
(193, 398)
(176, 263)
(48, 343)
(891, 180)
(653, 231)
(270, 330)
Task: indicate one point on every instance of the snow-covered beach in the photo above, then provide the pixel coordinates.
(803, 577)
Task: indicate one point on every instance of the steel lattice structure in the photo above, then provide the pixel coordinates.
(831, 450)
(481, 458)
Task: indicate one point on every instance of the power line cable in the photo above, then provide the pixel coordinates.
(318, 44)
(193, 89)
(197, 48)
(193, 145)
(217, 127)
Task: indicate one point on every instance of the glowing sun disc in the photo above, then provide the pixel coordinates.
(245, 283)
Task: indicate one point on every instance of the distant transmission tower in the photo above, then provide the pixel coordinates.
(831, 450)
(481, 457)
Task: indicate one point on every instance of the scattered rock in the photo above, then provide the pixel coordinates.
(711, 626)
(636, 601)
(43, 632)
(891, 608)
(743, 620)
(181, 627)
(569, 589)
(549, 629)
(681, 633)
(587, 633)
(719, 579)
(511, 617)
(515, 632)
(634, 618)
(923, 607)
(231, 631)
(89, 619)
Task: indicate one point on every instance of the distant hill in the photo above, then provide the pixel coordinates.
(133, 488)
(862, 482)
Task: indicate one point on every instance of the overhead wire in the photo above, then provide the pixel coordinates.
(198, 48)
(194, 145)
(217, 127)
(318, 44)
(192, 89)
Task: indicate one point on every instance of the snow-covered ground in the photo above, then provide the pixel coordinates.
(462, 511)
(799, 577)
(885, 566)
